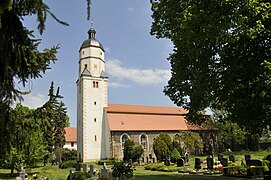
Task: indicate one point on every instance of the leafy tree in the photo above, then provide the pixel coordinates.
(230, 134)
(131, 151)
(221, 57)
(127, 151)
(191, 140)
(137, 152)
(162, 146)
(174, 155)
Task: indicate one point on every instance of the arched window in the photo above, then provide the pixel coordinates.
(144, 141)
(123, 139)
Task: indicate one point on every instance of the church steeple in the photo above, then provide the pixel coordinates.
(92, 99)
(91, 33)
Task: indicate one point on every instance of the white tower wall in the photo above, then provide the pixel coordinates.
(92, 99)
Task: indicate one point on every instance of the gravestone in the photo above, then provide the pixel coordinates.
(91, 169)
(22, 173)
(254, 162)
(85, 167)
(167, 162)
(232, 158)
(224, 162)
(197, 163)
(71, 174)
(104, 173)
(147, 159)
(78, 166)
(186, 155)
(220, 157)
(268, 157)
(153, 160)
(180, 162)
(210, 163)
(247, 157)
(143, 159)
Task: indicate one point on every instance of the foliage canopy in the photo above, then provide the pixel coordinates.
(221, 57)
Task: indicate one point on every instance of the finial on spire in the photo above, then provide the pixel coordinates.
(91, 33)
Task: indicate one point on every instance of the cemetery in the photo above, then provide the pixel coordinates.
(229, 165)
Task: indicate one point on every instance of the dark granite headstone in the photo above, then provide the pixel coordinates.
(167, 162)
(78, 167)
(247, 157)
(268, 157)
(85, 167)
(147, 161)
(210, 163)
(153, 160)
(232, 158)
(254, 162)
(197, 163)
(143, 159)
(224, 162)
(91, 169)
(220, 157)
(180, 162)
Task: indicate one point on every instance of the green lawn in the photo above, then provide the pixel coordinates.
(140, 173)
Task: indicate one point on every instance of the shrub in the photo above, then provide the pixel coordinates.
(174, 155)
(78, 175)
(268, 164)
(67, 164)
(154, 166)
(121, 169)
(234, 170)
(107, 162)
(255, 171)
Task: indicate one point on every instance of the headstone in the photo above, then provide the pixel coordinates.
(167, 162)
(147, 159)
(186, 156)
(22, 173)
(91, 169)
(180, 162)
(85, 167)
(143, 159)
(78, 166)
(210, 163)
(268, 157)
(153, 160)
(71, 174)
(232, 158)
(220, 157)
(104, 173)
(224, 162)
(104, 166)
(254, 162)
(197, 163)
(247, 157)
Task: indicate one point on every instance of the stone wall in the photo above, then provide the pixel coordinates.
(117, 149)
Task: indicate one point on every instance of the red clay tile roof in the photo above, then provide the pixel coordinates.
(123, 117)
(71, 134)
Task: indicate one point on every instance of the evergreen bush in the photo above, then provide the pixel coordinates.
(68, 164)
(174, 155)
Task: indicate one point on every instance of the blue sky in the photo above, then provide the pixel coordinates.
(136, 62)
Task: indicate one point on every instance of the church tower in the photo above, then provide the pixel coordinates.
(92, 101)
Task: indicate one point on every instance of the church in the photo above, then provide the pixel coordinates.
(103, 128)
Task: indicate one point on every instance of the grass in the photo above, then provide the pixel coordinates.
(140, 173)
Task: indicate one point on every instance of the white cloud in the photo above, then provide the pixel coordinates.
(107, 49)
(34, 100)
(117, 85)
(140, 76)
